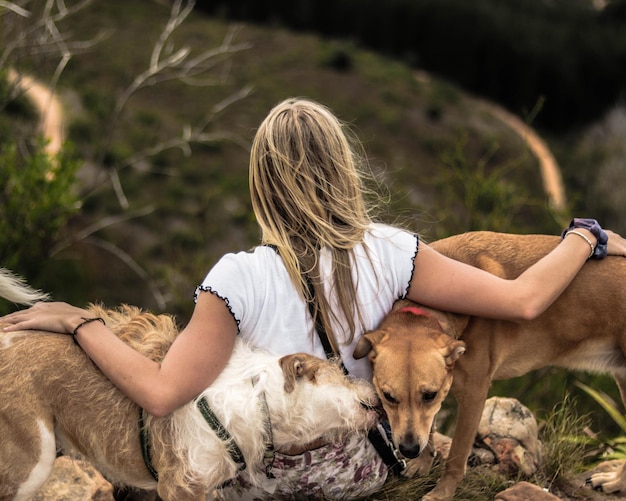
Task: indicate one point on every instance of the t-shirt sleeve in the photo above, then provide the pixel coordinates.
(232, 280)
(396, 250)
(258, 292)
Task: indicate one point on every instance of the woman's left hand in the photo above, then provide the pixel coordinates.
(52, 317)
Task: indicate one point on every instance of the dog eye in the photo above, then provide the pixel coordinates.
(389, 398)
(429, 396)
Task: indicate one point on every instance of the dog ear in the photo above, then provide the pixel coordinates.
(366, 344)
(452, 323)
(292, 369)
(455, 350)
(363, 347)
(297, 366)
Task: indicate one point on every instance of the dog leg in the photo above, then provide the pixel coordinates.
(470, 407)
(172, 493)
(42, 468)
(174, 487)
(614, 481)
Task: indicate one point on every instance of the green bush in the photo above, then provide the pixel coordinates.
(37, 198)
(484, 194)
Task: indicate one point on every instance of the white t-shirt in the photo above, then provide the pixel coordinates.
(270, 314)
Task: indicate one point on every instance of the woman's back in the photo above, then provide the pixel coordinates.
(272, 315)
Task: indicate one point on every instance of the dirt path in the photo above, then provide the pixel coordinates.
(49, 107)
(550, 171)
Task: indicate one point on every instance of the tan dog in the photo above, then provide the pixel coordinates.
(416, 351)
(53, 396)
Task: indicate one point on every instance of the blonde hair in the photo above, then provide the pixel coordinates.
(307, 193)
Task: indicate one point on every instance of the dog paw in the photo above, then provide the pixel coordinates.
(419, 466)
(434, 497)
(444, 490)
(607, 482)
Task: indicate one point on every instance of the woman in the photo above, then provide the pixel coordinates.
(320, 247)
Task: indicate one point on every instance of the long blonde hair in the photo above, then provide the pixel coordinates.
(307, 192)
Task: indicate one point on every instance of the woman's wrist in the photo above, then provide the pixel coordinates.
(84, 323)
(74, 318)
(589, 230)
(87, 320)
(587, 236)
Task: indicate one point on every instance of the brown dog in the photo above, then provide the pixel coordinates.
(416, 351)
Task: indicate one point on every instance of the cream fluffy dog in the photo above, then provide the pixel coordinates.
(53, 397)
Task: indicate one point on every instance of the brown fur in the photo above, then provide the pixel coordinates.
(297, 366)
(52, 365)
(414, 355)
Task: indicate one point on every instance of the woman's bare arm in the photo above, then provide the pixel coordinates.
(446, 284)
(192, 363)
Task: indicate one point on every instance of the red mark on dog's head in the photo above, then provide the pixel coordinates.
(415, 310)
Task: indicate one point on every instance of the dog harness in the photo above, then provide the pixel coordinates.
(145, 445)
(222, 433)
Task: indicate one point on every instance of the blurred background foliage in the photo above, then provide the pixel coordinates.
(138, 213)
(573, 51)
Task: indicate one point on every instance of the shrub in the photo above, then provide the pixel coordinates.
(37, 199)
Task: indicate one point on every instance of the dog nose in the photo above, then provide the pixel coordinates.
(409, 451)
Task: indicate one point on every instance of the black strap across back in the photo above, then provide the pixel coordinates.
(382, 446)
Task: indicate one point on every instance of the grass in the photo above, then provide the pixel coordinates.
(566, 452)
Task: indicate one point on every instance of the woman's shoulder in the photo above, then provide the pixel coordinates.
(385, 234)
(253, 264)
(251, 256)
(243, 271)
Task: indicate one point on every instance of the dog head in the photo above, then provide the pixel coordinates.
(412, 360)
(332, 403)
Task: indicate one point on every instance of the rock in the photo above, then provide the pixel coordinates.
(74, 480)
(509, 432)
(525, 491)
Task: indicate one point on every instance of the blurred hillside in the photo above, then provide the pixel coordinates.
(435, 148)
(446, 163)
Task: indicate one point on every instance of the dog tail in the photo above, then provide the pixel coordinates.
(16, 290)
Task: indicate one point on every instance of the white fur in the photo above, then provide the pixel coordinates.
(7, 339)
(14, 289)
(330, 406)
(42, 469)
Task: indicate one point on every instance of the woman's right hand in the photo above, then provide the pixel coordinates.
(46, 316)
(616, 246)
